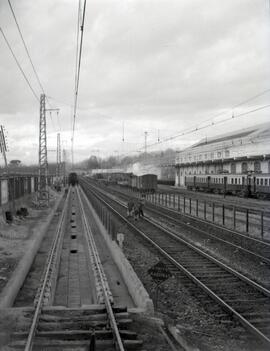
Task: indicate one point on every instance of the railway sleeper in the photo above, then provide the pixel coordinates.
(73, 312)
(84, 325)
(100, 316)
(79, 334)
(101, 345)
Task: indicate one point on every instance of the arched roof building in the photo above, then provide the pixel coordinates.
(242, 151)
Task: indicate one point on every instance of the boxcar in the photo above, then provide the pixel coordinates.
(147, 183)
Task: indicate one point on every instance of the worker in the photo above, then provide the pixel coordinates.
(140, 207)
(130, 208)
(136, 211)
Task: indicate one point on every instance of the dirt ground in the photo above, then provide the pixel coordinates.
(16, 237)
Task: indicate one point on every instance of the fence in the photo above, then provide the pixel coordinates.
(234, 217)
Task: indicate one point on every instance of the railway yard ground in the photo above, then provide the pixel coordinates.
(75, 276)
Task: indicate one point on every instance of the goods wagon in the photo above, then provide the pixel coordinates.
(147, 183)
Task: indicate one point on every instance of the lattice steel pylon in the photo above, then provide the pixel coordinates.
(43, 190)
(58, 158)
(64, 166)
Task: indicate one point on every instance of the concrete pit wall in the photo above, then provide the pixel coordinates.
(135, 287)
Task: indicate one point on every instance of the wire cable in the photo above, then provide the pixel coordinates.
(77, 75)
(19, 66)
(30, 59)
(195, 129)
(26, 49)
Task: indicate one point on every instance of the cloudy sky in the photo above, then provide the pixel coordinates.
(161, 66)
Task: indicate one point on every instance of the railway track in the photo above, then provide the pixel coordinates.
(250, 246)
(246, 203)
(245, 300)
(100, 326)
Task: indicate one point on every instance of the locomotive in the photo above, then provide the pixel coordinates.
(246, 185)
(73, 179)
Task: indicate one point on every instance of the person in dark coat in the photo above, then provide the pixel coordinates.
(140, 208)
(136, 211)
(130, 208)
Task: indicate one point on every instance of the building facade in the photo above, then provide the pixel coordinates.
(247, 150)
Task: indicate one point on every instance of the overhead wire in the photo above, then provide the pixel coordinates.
(78, 69)
(19, 66)
(26, 49)
(196, 129)
(30, 59)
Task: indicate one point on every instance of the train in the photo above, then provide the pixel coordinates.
(73, 179)
(146, 183)
(246, 185)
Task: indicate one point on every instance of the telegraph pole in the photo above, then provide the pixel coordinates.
(3, 146)
(58, 158)
(43, 191)
(145, 142)
(11, 186)
(64, 166)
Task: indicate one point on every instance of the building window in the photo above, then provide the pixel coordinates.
(257, 166)
(244, 167)
(205, 156)
(261, 181)
(227, 153)
(232, 180)
(265, 182)
(233, 168)
(218, 154)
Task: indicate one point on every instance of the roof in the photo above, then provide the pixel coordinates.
(255, 131)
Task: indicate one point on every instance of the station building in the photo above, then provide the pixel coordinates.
(243, 151)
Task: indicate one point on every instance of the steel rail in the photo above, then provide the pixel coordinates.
(264, 242)
(211, 293)
(189, 226)
(201, 252)
(237, 234)
(39, 305)
(112, 320)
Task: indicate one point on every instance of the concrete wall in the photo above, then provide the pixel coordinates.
(133, 283)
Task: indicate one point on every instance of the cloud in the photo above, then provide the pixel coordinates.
(154, 64)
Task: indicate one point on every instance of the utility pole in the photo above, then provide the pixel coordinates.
(43, 190)
(123, 131)
(145, 142)
(11, 186)
(3, 145)
(64, 166)
(58, 158)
